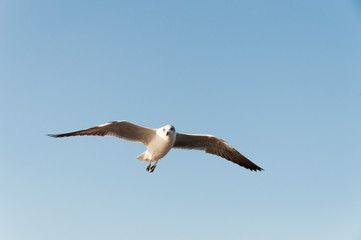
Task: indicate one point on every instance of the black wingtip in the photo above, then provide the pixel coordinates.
(260, 169)
(256, 169)
(52, 135)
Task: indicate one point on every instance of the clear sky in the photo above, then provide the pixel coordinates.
(278, 80)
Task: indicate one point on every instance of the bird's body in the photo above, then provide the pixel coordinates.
(160, 141)
(159, 146)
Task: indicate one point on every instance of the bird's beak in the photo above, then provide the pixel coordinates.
(167, 133)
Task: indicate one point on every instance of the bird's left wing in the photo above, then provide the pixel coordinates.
(121, 129)
(214, 145)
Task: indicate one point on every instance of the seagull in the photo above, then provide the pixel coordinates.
(160, 141)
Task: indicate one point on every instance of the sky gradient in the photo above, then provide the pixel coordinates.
(280, 81)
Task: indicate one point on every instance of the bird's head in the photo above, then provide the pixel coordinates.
(168, 130)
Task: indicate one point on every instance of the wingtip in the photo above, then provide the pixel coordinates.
(52, 135)
(258, 169)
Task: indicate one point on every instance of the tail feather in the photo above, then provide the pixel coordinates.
(141, 157)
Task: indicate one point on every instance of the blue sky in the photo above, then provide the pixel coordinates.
(280, 81)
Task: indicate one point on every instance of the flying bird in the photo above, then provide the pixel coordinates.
(160, 141)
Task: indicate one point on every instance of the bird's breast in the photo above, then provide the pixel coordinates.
(159, 146)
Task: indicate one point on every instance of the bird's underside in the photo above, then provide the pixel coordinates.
(160, 141)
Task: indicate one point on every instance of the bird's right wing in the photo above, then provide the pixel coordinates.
(216, 146)
(121, 129)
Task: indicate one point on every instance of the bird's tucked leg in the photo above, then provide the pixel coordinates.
(148, 167)
(153, 167)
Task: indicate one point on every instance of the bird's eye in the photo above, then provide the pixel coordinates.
(163, 129)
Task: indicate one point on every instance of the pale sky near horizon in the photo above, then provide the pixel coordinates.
(280, 81)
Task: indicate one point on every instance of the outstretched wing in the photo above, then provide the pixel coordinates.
(121, 129)
(214, 145)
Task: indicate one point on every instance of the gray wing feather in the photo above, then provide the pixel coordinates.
(121, 129)
(216, 146)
